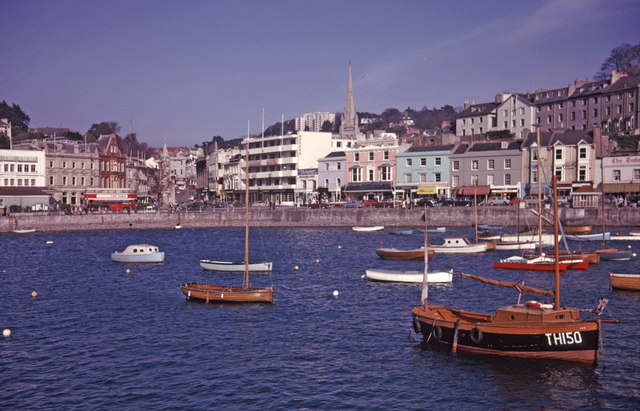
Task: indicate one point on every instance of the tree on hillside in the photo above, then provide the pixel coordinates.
(106, 127)
(131, 147)
(624, 58)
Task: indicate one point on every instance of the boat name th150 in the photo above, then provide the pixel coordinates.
(564, 338)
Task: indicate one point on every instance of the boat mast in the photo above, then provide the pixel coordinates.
(475, 200)
(246, 211)
(425, 281)
(539, 190)
(556, 246)
(602, 185)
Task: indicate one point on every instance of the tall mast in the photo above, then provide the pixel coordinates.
(556, 247)
(539, 192)
(602, 185)
(246, 210)
(425, 281)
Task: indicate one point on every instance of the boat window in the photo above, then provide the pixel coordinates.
(135, 250)
(560, 317)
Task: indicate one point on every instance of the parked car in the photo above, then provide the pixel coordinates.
(456, 202)
(352, 204)
(532, 201)
(425, 202)
(497, 201)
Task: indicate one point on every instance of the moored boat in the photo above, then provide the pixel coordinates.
(368, 228)
(630, 282)
(139, 253)
(576, 229)
(23, 231)
(611, 254)
(458, 245)
(402, 232)
(589, 237)
(516, 245)
(230, 294)
(236, 267)
(540, 263)
(409, 276)
(396, 254)
(531, 330)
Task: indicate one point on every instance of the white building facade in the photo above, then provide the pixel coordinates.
(22, 168)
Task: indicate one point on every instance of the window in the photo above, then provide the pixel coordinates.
(549, 119)
(636, 173)
(326, 183)
(386, 155)
(385, 173)
(573, 116)
(423, 178)
(437, 177)
(423, 162)
(371, 156)
(338, 166)
(507, 179)
(33, 181)
(507, 163)
(356, 174)
(455, 165)
(490, 164)
(558, 173)
(73, 181)
(371, 175)
(616, 175)
(582, 173)
(82, 181)
(438, 161)
(474, 164)
(6, 168)
(356, 157)
(64, 180)
(456, 181)
(407, 178)
(73, 165)
(50, 180)
(408, 162)
(490, 179)
(50, 164)
(64, 164)
(558, 154)
(582, 152)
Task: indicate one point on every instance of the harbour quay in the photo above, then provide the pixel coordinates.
(506, 216)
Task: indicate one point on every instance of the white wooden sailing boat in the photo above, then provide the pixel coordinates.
(235, 294)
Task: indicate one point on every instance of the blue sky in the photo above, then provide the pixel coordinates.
(185, 71)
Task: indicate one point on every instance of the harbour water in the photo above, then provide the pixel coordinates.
(98, 337)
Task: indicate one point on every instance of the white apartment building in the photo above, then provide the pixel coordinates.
(515, 113)
(314, 121)
(274, 163)
(22, 168)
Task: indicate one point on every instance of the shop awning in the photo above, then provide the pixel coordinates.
(431, 188)
(473, 190)
(621, 188)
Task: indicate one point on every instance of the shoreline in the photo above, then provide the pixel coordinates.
(505, 216)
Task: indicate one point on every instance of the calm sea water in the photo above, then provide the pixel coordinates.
(98, 338)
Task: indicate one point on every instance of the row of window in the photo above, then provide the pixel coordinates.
(20, 182)
(385, 156)
(455, 164)
(423, 162)
(72, 163)
(21, 168)
(356, 174)
(73, 181)
(408, 178)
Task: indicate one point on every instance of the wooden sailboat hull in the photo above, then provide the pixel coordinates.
(629, 282)
(533, 333)
(395, 254)
(579, 229)
(611, 254)
(210, 293)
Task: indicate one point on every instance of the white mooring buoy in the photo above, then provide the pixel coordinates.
(335, 293)
(6, 332)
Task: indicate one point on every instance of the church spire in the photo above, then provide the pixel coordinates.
(349, 125)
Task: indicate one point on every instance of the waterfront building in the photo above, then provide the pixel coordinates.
(274, 163)
(306, 187)
(140, 180)
(371, 166)
(487, 168)
(424, 171)
(332, 175)
(567, 154)
(112, 163)
(315, 121)
(620, 103)
(5, 128)
(22, 168)
(70, 167)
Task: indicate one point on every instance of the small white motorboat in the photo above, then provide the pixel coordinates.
(516, 245)
(139, 253)
(409, 276)
(458, 245)
(368, 228)
(236, 267)
(24, 231)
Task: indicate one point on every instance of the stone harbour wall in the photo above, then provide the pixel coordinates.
(305, 217)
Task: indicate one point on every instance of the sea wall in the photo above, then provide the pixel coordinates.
(305, 217)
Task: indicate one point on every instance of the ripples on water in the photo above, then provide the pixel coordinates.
(97, 337)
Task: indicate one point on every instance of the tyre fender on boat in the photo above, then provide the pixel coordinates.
(476, 335)
(417, 327)
(436, 332)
